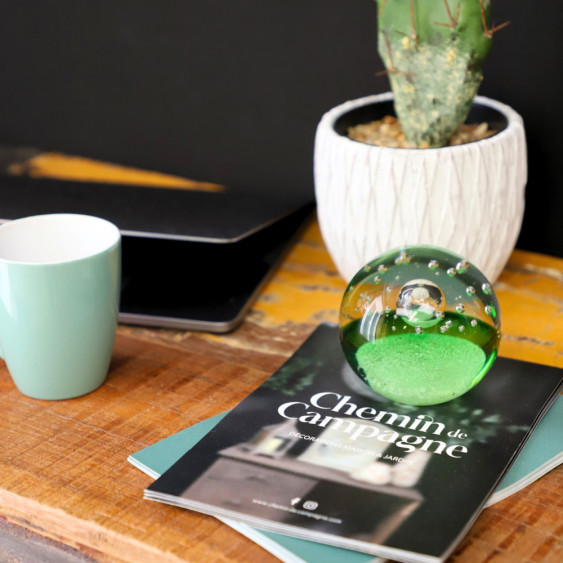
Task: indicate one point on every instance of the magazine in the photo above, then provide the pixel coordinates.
(315, 454)
(542, 452)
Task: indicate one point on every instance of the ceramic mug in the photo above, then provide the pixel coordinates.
(60, 278)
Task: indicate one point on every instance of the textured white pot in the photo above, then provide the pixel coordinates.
(467, 198)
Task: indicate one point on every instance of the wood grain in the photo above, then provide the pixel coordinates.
(63, 465)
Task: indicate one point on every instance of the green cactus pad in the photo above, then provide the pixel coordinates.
(434, 54)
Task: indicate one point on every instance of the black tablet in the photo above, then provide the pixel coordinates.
(191, 259)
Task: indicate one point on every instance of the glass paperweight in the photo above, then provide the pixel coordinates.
(420, 325)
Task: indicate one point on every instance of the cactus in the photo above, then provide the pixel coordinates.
(433, 51)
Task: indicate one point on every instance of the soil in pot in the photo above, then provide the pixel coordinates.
(387, 132)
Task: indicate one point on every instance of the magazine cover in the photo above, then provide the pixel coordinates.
(314, 453)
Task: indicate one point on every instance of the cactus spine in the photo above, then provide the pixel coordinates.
(433, 51)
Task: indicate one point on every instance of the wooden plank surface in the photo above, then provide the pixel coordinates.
(63, 468)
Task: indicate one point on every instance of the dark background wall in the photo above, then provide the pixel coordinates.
(231, 90)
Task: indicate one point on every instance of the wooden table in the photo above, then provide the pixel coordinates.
(64, 473)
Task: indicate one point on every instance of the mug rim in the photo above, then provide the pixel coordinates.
(109, 237)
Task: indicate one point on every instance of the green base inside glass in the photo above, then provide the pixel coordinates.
(421, 369)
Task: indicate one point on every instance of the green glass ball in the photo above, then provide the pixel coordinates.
(420, 325)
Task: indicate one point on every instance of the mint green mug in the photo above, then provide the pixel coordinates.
(60, 278)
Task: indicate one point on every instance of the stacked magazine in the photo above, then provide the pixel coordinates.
(314, 464)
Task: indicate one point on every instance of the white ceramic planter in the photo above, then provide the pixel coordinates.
(467, 198)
